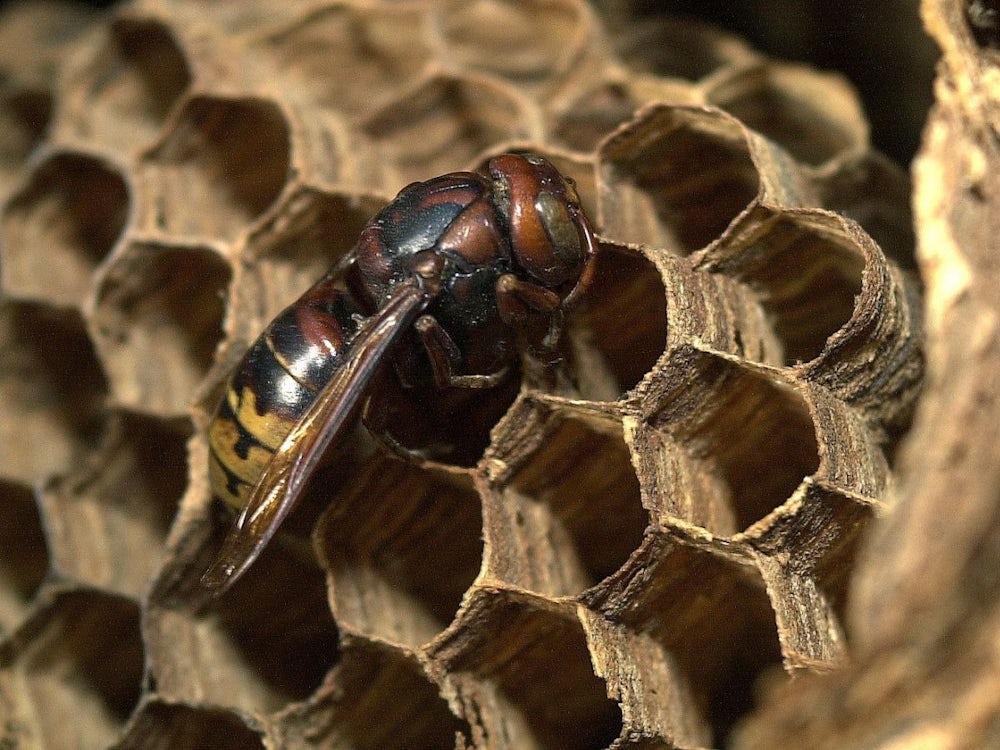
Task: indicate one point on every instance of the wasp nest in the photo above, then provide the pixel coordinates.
(629, 556)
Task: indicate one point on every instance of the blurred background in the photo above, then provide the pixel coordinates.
(880, 46)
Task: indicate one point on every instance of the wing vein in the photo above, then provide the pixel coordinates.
(281, 483)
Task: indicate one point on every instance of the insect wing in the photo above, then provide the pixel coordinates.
(283, 479)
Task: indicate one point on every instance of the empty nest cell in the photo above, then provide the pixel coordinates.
(523, 675)
(376, 698)
(59, 227)
(846, 317)
(383, 48)
(108, 517)
(219, 164)
(815, 116)
(34, 41)
(623, 320)
(400, 545)
(24, 555)
(156, 320)
(746, 441)
(119, 96)
(711, 616)
(804, 548)
(568, 512)
(875, 192)
(582, 122)
(526, 42)
(679, 48)
(270, 641)
(79, 656)
(445, 121)
(52, 391)
(807, 277)
(675, 178)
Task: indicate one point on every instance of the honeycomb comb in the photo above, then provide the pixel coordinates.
(630, 555)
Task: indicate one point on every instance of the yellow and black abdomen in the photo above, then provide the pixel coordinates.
(273, 385)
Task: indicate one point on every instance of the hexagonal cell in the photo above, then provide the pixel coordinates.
(285, 636)
(24, 118)
(711, 614)
(834, 566)
(444, 123)
(35, 38)
(595, 113)
(875, 192)
(720, 313)
(806, 556)
(59, 227)
(108, 519)
(383, 48)
(271, 637)
(656, 699)
(159, 725)
(874, 361)
(807, 272)
(569, 513)
(80, 656)
(219, 165)
(852, 458)
(815, 116)
(586, 113)
(523, 674)
(527, 42)
(286, 254)
(805, 550)
(156, 320)
(675, 178)
(377, 698)
(52, 391)
(732, 436)
(680, 48)
(329, 153)
(121, 96)
(24, 559)
(623, 318)
(401, 545)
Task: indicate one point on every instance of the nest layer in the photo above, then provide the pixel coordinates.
(632, 552)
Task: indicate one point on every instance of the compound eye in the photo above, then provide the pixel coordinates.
(560, 227)
(547, 233)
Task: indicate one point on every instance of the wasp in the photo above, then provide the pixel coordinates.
(443, 290)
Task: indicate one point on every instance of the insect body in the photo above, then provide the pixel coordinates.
(446, 284)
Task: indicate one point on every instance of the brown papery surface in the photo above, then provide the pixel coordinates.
(925, 618)
(667, 548)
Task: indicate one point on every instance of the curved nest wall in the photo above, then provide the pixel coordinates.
(631, 554)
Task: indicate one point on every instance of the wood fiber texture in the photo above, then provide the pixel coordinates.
(721, 531)
(925, 617)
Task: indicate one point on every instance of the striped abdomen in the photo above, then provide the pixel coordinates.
(273, 385)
